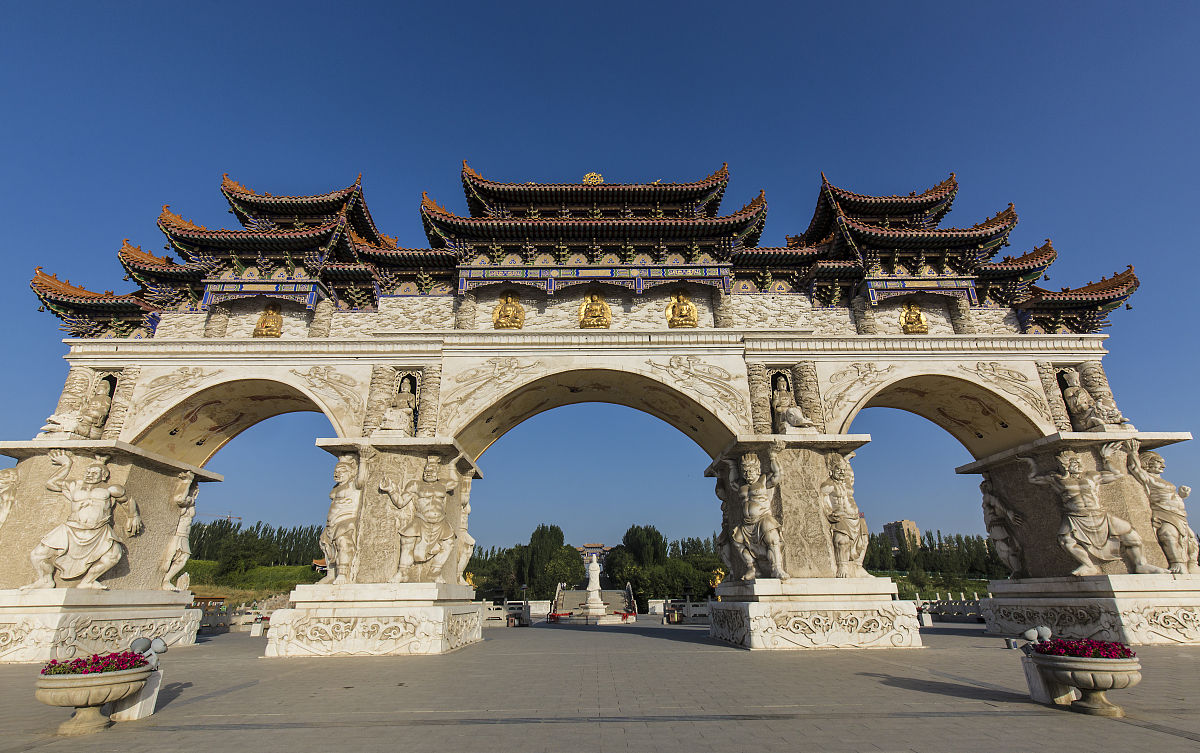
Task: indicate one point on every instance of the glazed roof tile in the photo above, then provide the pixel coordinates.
(49, 286)
(1108, 290)
(1035, 261)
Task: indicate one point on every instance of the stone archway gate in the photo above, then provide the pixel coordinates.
(637, 294)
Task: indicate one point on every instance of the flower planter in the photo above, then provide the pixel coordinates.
(1093, 677)
(87, 693)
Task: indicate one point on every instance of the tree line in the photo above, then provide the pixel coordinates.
(954, 555)
(236, 549)
(540, 565)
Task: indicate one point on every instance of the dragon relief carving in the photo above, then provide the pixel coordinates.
(692, 376)
(855, 379)
(1013, 382)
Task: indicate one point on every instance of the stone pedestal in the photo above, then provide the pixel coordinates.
(63, 623)
(375, 619)
(808, 613)
(1133, 609)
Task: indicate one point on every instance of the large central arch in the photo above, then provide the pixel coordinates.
(596, 385)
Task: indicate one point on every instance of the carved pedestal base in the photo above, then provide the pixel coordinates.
(63, 623)
(1133, 609)
(806, 613)
(375, 619)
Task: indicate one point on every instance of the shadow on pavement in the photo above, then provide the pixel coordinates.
(955, 690)
(688, 634)
(170, 692)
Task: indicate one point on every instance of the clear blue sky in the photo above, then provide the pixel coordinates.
(1084, 115)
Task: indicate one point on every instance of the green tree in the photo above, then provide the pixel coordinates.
(646, 545)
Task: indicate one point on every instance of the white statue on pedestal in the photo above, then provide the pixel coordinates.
(594, 604)
(84, 545)
(1168, 514)
(339, 540)
(1089, 532)
(179, 548)
(846, 524)
(425, 535)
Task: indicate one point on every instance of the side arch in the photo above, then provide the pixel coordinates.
(631, 389)
(984, 420)
(194, 427)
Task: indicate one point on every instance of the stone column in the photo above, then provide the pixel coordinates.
(464, 312)
(811, 608)
(75, 391)
(1048, 376)
(864, 316)
(122, 397)
(217, 322)
(721, 306)
(379, 397)
(402, 600)
(429, 399)
(960, 316)
(33, 623)
(322, 319)
(1117, 595)
(760, 397)
(808, 392)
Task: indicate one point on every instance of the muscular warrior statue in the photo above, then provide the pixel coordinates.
(756, 534)
(8, 492)
(1088, 532)
(1167, 511)
(179, 548)
(84, 545)
(1001, 522)
(725, 548)
(845, 521)
(425, 534)
(465, 540)
(339, 540)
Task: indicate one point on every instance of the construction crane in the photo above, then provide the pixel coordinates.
(227, 516)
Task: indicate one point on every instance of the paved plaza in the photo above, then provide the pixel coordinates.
(646, 688)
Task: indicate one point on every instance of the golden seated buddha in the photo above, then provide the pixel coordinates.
(594, 313)
(508, 314)
(681, 312)
(270, 324)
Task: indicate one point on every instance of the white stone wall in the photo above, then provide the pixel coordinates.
(787, 311)
(561, 311)
(420, 312)
(997, 321)
(244, 315)
(180, 325)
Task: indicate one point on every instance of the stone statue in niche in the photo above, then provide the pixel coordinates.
(508, 314)
(179, 548)
(88, 423)
(1168, 514)
(594, 313)
(270, 323)
(84, 545)
(788, 417)
(681, 312)
(755, 532)
(399, 418)
(1085, 412)
(1001, 522)
(8, 492)
(1089, 533)
(339, 540)
(913, 321)
(426, 537)
(846, 523)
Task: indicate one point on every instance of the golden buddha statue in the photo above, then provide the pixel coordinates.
(270, 324)
(594, 313)
(508, 314)
(681, 312)
(912, 321)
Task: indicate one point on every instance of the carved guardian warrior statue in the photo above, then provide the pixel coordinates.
(755, 534)
(1168, 514)
(846, 523)
(339, 540)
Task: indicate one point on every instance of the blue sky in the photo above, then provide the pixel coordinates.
(1081, 114)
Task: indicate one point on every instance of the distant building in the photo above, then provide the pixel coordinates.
(599, 550)
(905, 528)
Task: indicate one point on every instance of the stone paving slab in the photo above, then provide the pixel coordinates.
(646, 687)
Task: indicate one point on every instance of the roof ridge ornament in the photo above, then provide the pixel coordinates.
(593, 179)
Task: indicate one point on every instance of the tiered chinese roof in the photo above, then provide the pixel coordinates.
(552, 235)
(887, 246)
